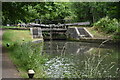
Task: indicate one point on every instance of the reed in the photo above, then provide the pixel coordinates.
(24, 53)
(95, 67)
(28, 56)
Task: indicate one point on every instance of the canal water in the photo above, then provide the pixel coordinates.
(81, 60)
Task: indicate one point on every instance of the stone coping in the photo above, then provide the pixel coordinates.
(96, 40)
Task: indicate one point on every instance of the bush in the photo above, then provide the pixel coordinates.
(107, 25)
(29, 56)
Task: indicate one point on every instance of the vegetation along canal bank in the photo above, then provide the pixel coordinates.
(58, 58)
(66, 59)
(25, 54)
(75, 57)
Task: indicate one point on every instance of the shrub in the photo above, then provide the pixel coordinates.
(29, 56)
(107, 25)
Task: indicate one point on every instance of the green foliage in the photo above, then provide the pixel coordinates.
(17, 12)
(25, 55)
(95, 68)
(25, 12)
(113, 10)
(14, 36)
(97, 64)
(12, 12)
(107, 25)
(28, 55)
(89, 11)
(93, 11)
(9, 27)
(116, 37)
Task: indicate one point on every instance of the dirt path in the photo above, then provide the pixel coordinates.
(8, 68)
(0, 54)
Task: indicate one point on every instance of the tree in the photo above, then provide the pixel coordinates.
(15, 12)
(12, 12)
(93, 11)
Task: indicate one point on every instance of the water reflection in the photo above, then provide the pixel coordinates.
(59, 67)
(79, 60)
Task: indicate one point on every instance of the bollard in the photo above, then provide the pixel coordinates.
(31, 73)
(23, 39)
(7, 44)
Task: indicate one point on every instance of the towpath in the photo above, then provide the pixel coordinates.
(8, 68)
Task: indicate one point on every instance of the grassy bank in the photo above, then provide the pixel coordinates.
(25, 54)
(98, 34)
(12, 37)
(9, 26)
(108, 26)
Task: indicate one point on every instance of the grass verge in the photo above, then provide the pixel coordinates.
(13, 37)
(9, 26)
(25, 54)
(98, 34)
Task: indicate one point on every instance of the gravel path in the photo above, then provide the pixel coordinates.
(8, 68)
